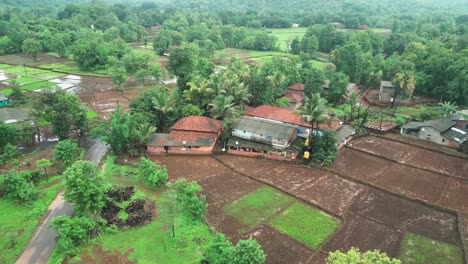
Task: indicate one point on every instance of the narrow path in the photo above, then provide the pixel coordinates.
(43, 242)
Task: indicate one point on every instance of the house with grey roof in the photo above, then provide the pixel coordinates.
(14, 116)
(441, 131)
(252, 136)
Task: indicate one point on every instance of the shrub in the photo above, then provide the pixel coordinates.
(190, 199)
(73, 231)
(354, 256)
(17, 187)
(154, 175)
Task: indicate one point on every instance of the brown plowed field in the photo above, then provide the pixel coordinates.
(418, 157)
(279, 247)
(372, 218)
(413, 183)
(365, 234)
(331, 193)
(360, 165)
(407, 216)
(189, 167)
(455, 196)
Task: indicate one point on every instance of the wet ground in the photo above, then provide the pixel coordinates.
(374, 216)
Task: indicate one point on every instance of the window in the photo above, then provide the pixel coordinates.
(443, 140)
(244, 131)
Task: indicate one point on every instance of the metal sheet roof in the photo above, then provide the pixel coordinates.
(277, 130)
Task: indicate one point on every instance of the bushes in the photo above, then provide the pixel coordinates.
(221, 251)
(152, 174)
(354, 256)
(16, 186)
(190, 199)
(73, 232)
(324, 147)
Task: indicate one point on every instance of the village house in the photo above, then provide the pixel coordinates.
(255, 137)
(337, 25)
(4, 100)
(440, 131)
(295, 25)
(189, 135)
(14, 116)
(295, 95)
(461, 119)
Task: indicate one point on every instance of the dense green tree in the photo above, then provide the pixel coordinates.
(351, 60)
(17, 187)
(247, 252)
(191, 110)
(313, 79)
(116, 133)
(119, 77)
(224, 108)
(309, 45)
(62, 109)
(154, 175)
(73, 232)
(337, 87)
(67, 152)
(296, 46)
(189, 198)
(32, 46)
(8, 134)
(323, 147)
(84, 188)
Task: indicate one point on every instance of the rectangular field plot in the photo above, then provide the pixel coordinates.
(48, 75)
(421, 250)
(255, 207)
(305, 224)
(37, 85)
(24, 80)
(6, 91)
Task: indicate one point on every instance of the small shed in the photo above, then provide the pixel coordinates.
(4, 101)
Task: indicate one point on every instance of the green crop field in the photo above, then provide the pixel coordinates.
(255, 207)
(286, 35)
(417, 249)
(38, 85)
(305, 224)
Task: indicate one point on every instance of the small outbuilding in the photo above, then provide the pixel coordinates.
(4, 101)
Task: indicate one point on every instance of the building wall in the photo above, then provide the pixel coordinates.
(259, 138)
(204, 150)
(289, 156)
(386, 94)
(430, 134)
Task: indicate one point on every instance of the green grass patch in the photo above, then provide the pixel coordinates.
(42, 122)
(4, 66)
(417, 249)
(255, 207)
(18, 221)
(305, 224)
(286, 35)
(24, 80)
(91, 114)
(38, 85)
(6, 91)
(23, 71)
(70, 67)
(48, 75)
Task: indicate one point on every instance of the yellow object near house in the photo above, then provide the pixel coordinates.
(306, 155)
(306, 143)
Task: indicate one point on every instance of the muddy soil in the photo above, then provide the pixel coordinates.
(279, 247)
(418, 157)
(99, 256)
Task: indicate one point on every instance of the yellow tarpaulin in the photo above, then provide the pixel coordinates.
(306, 155)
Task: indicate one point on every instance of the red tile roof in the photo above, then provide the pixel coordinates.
(294, 98)
(297, 87)
(287, 116)
(198, 124)
(190, 136)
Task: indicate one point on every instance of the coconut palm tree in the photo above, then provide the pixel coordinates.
(163, 104)
(239, 91)
(404, 82)
(313, 111)
(198, 94)
(223, 107)
(276, 81)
